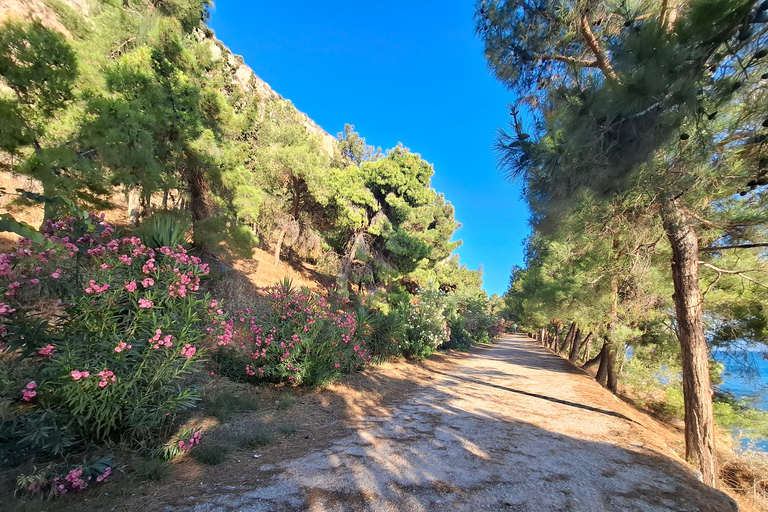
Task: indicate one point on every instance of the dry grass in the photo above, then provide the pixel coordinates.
(746, 475)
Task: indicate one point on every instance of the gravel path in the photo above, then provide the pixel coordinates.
(511, 427)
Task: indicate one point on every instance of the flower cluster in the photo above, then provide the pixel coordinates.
(105, 377)
(302, 338)
(58, 483)
(185, 445)
(156, 341)
(77, 375)
(123, 346)
(29, 391)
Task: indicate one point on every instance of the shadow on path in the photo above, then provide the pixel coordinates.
(542, 397)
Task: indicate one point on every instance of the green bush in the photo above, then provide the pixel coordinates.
(426, 328)
(100, 334)
(164, 229)
(382, 331)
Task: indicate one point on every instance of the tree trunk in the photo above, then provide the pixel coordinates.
(602, 371)
(199, 194)
(697, 390)
(575, 346)
(279, 243)
(349, 256)
(568, 337)
(134, 208)
(612, 381)
(585, 344)
(592, 363)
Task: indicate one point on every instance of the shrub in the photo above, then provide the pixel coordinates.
(469, 320)
(382, 331)
(302, 338)
(99, 334)
(164, 229)
(426, 326)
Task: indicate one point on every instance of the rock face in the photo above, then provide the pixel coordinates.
(248, 80)
(242, 75)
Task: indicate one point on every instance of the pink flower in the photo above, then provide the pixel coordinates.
(146, 303)
(105, 377)
(34, 281)
(188, 351)
(122, 346)
(77, 375)
(56, 274)
(131, 287)
(46, 351)
(74, 474)
(104, 475)
(146, 283)
(29, 392)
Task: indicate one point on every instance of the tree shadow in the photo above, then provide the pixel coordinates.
(444, 445)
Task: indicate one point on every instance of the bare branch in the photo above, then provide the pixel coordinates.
(571, 60)
(739, 273)
(718, 248)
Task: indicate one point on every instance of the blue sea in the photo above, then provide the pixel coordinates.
(747, 378)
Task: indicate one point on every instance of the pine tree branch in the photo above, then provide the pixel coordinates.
(663, 20)
(571, 60)
(739, 273)
(602, 61)
(717, 248)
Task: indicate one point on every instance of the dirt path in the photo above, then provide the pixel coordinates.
(507, 427)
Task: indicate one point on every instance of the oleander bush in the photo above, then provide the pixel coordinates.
(99, 334)
(426, 327)
(300, 337)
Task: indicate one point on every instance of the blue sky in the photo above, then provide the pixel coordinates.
(410, 72)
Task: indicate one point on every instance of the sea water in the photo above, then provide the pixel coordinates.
(746, 377)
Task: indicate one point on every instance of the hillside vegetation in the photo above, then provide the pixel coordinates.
(112, 326)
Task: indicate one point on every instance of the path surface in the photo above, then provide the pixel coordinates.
(510, 427)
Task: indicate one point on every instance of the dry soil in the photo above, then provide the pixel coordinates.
(507, 427)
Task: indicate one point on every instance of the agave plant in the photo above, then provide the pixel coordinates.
(164, 231)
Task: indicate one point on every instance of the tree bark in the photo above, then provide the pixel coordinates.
(568, 338)
(134, 208)
(575, 346)
(697, 390)
(602, 370)
(592, 363)
(279, 243)
(585, 344)
(600, 59)
(611, 378)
